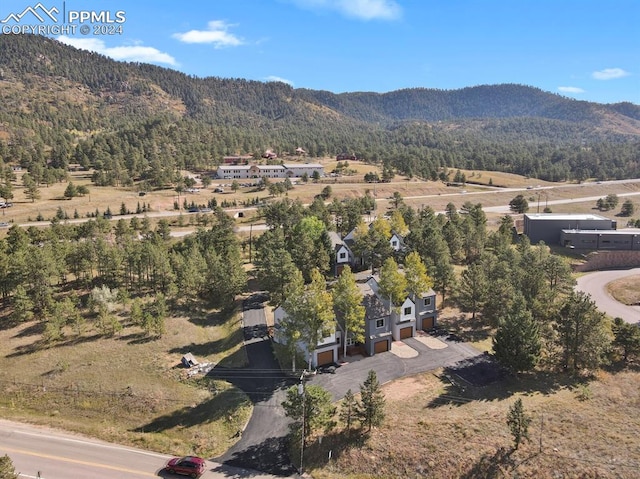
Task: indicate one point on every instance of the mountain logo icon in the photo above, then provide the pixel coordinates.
(38, 11)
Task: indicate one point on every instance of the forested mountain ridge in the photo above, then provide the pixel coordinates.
(60, 105)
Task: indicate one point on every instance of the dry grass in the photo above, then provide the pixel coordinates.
(433, 430)
(128, 389)
(626, 290)
(417, 193)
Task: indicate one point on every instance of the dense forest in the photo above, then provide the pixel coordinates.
(128, 121)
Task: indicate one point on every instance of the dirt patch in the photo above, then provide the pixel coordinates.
(626, 290)
(406, 388)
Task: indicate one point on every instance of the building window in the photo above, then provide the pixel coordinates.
(427, 301)
(394, 243)
(379, 323)
(343, 255)
(407, 311)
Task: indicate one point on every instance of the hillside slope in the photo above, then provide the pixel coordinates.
(61, 104)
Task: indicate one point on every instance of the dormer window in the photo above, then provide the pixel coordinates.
(407, 311)
(427, 301)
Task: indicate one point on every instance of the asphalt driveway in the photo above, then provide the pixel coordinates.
(388, 366)
(262, 443)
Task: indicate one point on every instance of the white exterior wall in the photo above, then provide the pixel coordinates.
(270, 171)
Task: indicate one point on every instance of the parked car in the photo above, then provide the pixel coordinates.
(218, 190)
(187, 466)
(4, 225)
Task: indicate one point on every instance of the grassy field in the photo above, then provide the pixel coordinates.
(435, 430)
(416, 193)
(129, 389)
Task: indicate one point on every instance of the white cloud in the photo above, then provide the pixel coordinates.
(360, 9)
(216, 33)
(609, 74)
(132, 53)
(280, 79)
(570, 89)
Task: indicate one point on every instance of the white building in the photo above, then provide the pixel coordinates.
(288, 170)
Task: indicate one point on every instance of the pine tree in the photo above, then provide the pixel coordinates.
(348, 410)
(310, 406)
(583, 333)
(472, 290)
(7, 470)
(518, 422)
(371, 412)
(517, 342)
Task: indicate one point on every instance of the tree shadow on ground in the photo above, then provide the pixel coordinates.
(490, 466)
(269, 456)
(481, 380)
(35, 329)
(208, 411)
(41, 344)
(337, 443)
(467, 329)
(203, 316)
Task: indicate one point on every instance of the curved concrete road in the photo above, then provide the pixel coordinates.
(595, 284)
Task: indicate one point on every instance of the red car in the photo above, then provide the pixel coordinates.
(187, 466)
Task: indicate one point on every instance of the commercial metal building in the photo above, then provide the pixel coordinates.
(548, 227)
(624, 239)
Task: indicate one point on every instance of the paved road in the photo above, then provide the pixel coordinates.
(595, 284)
(60, 455)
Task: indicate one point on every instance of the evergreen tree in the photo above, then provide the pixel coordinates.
(274, 265)
(371, 412)
(348, 410)
(519, 204)
(517, 342)
(472, 289)
(627, 209)
(627, 339)
(583, 333)
(7, 470)
(311, 409)
(71, 191)
(518, 422)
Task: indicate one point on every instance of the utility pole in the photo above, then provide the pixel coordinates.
(301, 393)
(541, 429)
(250, 233)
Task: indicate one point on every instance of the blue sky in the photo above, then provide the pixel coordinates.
(583, 49)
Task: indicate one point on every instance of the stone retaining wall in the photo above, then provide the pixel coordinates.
(609, 260)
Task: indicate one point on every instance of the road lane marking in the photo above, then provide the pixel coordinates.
(93, 443)
(77, 461)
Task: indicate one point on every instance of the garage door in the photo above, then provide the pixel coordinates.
(325, 357)
(406, 332)
(381, 346)
(427, 323)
